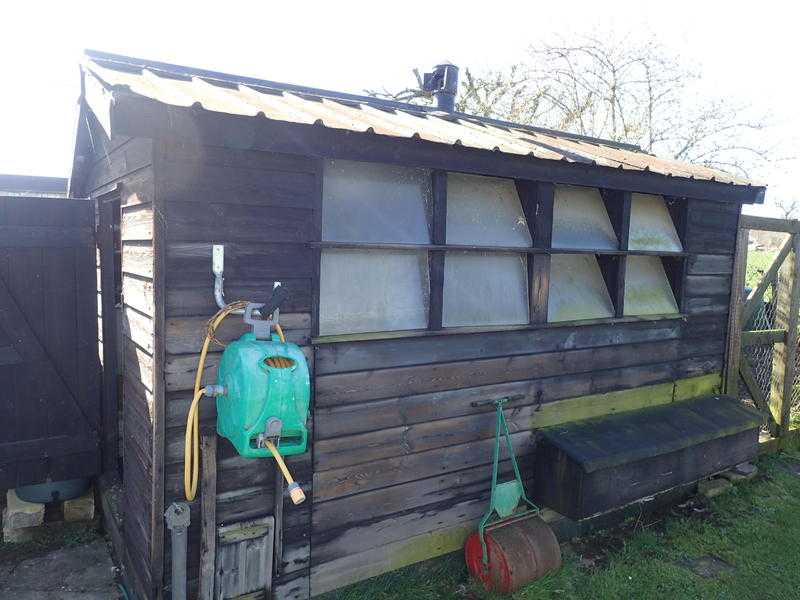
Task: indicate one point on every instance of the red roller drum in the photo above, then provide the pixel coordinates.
(519, 552)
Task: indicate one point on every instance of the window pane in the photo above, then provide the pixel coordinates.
(647, 289)
(652, 227)
(577, 289)
(485, 289)
(580, 220)
(369, 202)
(484, 211)
(373, 291)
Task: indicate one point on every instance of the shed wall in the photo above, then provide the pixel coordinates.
(262, 207)
(399, 457)
(126, 164)
(401, 460)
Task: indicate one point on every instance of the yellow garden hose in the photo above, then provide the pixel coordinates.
(191, 448)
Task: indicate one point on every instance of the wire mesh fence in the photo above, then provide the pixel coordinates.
(760, 357)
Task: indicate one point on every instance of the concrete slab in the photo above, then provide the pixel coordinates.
(18, 513)
(83, 572)
(80, 509)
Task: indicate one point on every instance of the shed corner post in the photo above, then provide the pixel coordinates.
(734, 347)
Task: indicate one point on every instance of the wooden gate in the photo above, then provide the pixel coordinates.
(762, 353)
(49, 368)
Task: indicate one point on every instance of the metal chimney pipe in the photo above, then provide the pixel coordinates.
(443, 84)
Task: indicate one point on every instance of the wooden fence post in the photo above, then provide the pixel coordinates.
(784, 355)
(734, 349)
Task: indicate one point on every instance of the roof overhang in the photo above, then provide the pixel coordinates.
(126, 114)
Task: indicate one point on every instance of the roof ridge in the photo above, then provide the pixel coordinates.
(107, 57)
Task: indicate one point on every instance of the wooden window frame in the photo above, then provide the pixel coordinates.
(537, 200)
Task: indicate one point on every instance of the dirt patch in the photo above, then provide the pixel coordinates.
(595, 550)
(791, 466)
(708, 566)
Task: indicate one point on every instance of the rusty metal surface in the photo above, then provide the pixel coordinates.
(518, 552)
(181, 86)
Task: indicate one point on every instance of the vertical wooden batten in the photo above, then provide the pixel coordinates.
(537, 204)
(734, 340)
(208, 516)
(159, 385)
(618, 206)
(436, 257)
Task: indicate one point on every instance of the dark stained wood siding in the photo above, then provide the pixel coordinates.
(262, 207)
(123, 167)
(399, 456)
(49, 370)
(401, 459)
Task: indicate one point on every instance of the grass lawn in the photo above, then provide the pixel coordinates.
(754, 529)
(758, 261)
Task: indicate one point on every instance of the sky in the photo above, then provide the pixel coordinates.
(744, 51)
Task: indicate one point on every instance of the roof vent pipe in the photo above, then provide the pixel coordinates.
(443, 84)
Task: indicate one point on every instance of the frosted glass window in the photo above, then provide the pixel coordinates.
(369, 202)
(373, 291)
(652, 227)
(484, 211)
(647, 289)
(580, 220)
(577, 289)
(485, 289)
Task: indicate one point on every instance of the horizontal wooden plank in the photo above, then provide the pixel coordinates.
(707, 285)
(348, 388)
(409, 439)
(136, 222)
(709, 264)
(707, 305)
(186, 334)
(348, 419)
(220, 222)
(190, 262)
(179, 370)
(373, 534)
(185, 181)
(32, 236)
(221, 156)
(137, 292)
(196, 298)
(130, 155)
(138, 327)
(769, 224)
(333, 518)
(25, 211)
(409, 467)
(380, 354)
(137, 259)
(138, 364)
(137, 188)
(765, 336)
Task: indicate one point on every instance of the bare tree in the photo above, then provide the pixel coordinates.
(788, 207)
(636, 93)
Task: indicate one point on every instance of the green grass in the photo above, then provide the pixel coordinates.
(755, 528)
(758, 261)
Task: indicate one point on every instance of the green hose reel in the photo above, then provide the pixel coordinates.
(266, 392)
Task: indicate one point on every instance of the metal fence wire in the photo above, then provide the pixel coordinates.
(761, 356)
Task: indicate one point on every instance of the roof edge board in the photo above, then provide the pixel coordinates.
(135, 115)
(334, 95)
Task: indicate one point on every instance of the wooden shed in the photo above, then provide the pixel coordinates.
(432, 258)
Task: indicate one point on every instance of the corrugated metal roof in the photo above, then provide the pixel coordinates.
(218, 92)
